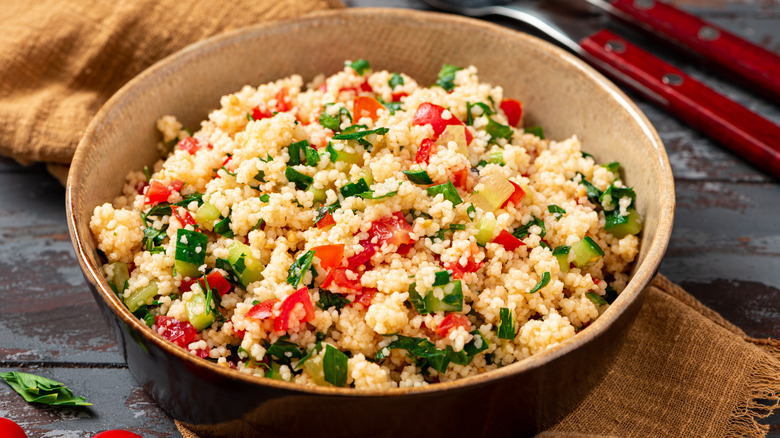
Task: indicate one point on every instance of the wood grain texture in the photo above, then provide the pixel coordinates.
(725, 250)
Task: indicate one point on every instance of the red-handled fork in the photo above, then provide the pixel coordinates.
(734, 126)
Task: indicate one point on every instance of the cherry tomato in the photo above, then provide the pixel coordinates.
(330, 255)
(116, 433)
(9, 429)
(180, 333)
(326, 221)
(366, 106)
(343, 281)
(508, 241)
(513, 110)
(260, 114)
(264, 310)
(189, 144)
(430, 114)
(451, 321)
(424, 151)
(300, 296)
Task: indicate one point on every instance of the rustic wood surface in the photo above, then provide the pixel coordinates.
(725, 250)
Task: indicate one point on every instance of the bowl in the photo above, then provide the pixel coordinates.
(559, 92)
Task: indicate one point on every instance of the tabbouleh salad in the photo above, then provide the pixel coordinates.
(365, 231)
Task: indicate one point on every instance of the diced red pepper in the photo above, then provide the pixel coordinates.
(365, 297)
(189, 144)
(516, 197)
(264, 310)
(300, 296)
(508, 241)
(362, 257)
(365, 106)
(452, 321)
(326, 221)
(431, 114)
(397, 96)
(513, 109)
(180, 333)
(158, 192)
(404, 248)
(259, 114)
(339, 277)
(364, 86)
(330, 255)
(176, 185)
(216, 282)
(186, 285)
(471, 264)
(424, 151)
(283, 103)
(185, 219)
(460, 178)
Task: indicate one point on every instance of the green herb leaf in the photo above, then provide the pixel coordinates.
(37, 389)
(355, 188)
(191, 246)
(265, 197)
(542, 283)
(486, 111)
(334, 122)
(596, 299)
(610, 294)
(613, 167)
(535, 130)
(522, 232)
(395, 80)
(187, 200)
(334, 366)
(302, 182)
(448, 190)
(147, 174)
(471, 212)
(506, 328)
(299, 267)
(497, 130)
(284, 351)
(587, 155)
(329, 299)
(317, 348)
(610, 199)
(324, 210)
(359, 136)
(223, 227)
(370, 195)
(593, 193)
(457, 227)
(392, 107)
(360, 66)
(441, 278)
(447, 77)
(312, 156)
(158, 211)
(556, 211)
(334, 154)
(418, 177)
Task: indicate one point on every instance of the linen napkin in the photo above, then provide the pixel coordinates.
(683, 371)
(62, 59)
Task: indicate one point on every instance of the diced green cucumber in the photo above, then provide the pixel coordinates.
(314, 368)
(206, 215)
(141, 296)
(486, 228)
(273, 371)
(187, 269)
(451, 301)
(350, 156)
(319, 195)
(368, 176)
(456, 133)
(562, 254)
(120, 276)
(496, 157)
(586, 252)
(245, 265)
(621, 226)
(496, 191)
(198, 312)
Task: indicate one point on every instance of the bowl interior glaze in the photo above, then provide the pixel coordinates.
(558, 92)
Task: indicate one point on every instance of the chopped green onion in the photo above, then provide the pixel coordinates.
(446, 78)
(334, 366)
(596, 299)
(418, 177)
(457, 227)
(299, 267)
(302, 182)
(506, 328)
(147, 174)
(447, 190)
(542, 283)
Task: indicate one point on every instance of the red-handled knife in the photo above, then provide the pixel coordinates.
(725, 121)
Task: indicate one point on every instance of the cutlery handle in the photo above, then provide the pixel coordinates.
(759, 67)
(746, 133)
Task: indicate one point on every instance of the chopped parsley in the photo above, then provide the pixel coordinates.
(497, 130)
(334, 154)
(360, 66)
(535, 130)
(223, 227)
(334, 366)
(299, 267)
(191, 246)
(329, 299)
(284, 351)
(426, 355)
(542, 283)
(324, 210)
(353, 189)
(395, 80)
(420, 177)
(334, 122)
(593, 193)
(447, 190)
(359, 136)
(556, 211)
(302, 182)
(446, 78)
(522, 232)
(486, 111)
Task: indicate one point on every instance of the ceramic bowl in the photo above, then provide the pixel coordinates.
(558, 91)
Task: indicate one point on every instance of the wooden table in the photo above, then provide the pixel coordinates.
(725, 250)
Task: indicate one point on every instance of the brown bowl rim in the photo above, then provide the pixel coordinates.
(638, 282)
